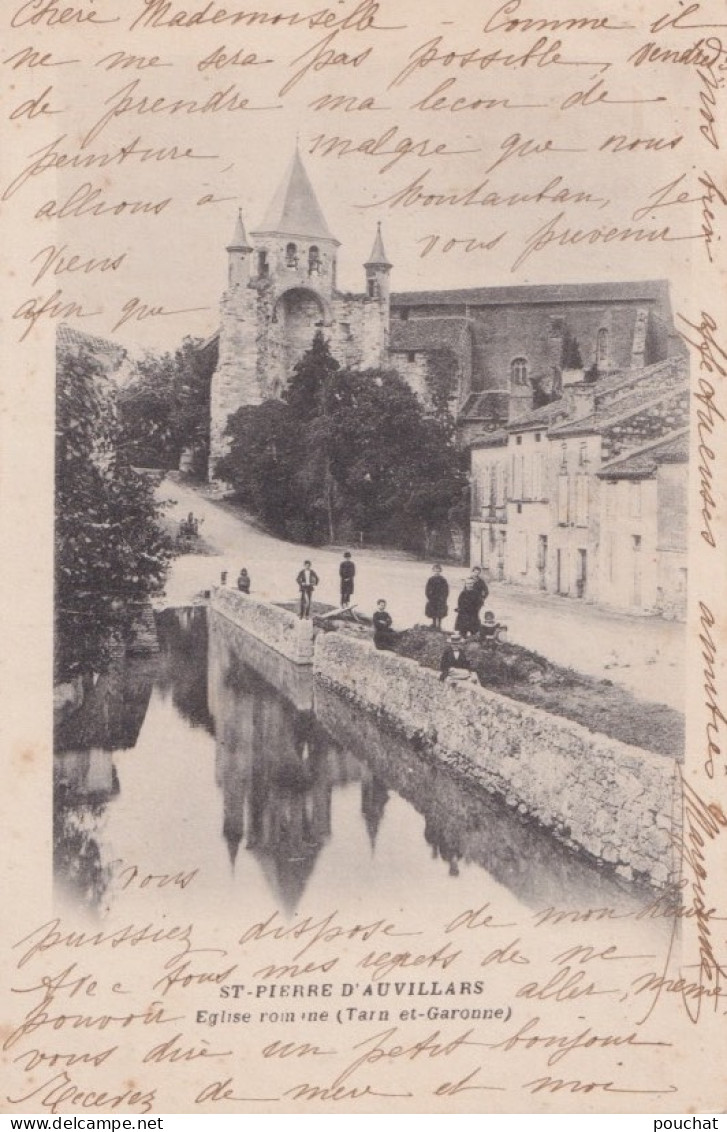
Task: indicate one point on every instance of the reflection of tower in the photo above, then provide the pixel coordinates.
(291, 798)
(374, 796)
(273, 763)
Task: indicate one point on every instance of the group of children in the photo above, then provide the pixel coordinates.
(455, 663)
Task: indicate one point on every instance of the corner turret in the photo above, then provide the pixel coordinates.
(238, 250)
(378, 269)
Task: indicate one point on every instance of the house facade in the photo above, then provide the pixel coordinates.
(586, 496)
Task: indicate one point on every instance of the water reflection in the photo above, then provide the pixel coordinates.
(221, 750)
(276, 768)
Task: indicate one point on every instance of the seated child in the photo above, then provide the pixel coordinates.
(384, 635)
(491, 631)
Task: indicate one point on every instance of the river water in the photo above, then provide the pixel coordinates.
(221, 762)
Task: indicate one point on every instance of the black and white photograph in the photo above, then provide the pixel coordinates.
(366, 566)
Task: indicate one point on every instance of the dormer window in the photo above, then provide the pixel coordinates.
(291, 255)
(315, 265)
(263, 266)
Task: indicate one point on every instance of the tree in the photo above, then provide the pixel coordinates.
(345, 451)
(441, 382)
(111, 554)
(165, 408)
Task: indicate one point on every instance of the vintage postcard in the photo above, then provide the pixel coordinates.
(365, 557)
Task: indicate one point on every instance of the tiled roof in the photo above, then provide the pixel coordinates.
(613, 414)
(427, 334)
(493, 403)
(544, 415)
(629, 291)
(497, 438)
(68, 337)
(643, 462)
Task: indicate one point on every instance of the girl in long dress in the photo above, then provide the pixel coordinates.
(436, 592)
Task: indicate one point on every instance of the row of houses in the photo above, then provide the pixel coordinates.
(586, 496)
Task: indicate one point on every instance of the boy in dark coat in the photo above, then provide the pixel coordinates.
(384, 635)
(307, 580)
(480, 585)
(347, 571)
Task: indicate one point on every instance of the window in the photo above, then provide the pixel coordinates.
(291, 256)
(563, 458)
(519, 371)
(538, 476)
(528, 478)
(517, 477)
(372, 288)
(582, 455)
(602, 347)
(314, 261)
(563, 500)
(404, 314)
(611, 493)
(262, 263)
(475, 498)
(411, 356)
(537, 436)
(518, 439)
(635, 499)
(581, 501)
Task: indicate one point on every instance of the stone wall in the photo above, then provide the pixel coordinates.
(276, 627)
(614, 801)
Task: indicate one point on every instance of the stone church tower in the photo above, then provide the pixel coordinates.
(281, 288)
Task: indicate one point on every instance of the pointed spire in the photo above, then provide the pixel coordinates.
(378, 255)
(239, 241)
(295, 210)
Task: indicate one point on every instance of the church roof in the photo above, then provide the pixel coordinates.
(295, 210)
(630, 291)
(427, 334)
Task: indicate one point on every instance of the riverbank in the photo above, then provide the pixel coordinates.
(614, 801)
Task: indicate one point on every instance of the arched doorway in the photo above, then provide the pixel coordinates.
(298, 314)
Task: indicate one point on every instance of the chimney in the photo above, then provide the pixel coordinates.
(580, 399)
